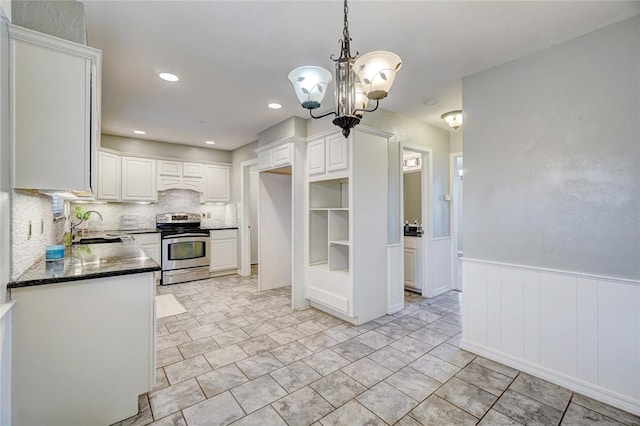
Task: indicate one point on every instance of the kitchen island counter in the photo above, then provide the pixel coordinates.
(88, 261)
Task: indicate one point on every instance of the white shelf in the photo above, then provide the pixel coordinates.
(340, 242)
(325, 267)
(344, 209)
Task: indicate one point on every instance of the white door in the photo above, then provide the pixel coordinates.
(337, 153)
(253, 189)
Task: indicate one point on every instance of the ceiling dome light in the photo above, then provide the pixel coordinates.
(453, 118)
(167, 76)
(274, 105)
(210, 142)
(139, 132)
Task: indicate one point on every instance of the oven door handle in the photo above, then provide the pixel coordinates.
(185, 235)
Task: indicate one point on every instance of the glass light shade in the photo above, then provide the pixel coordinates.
(376, 71)
(361, 101)
(310, 85)
(453, 119)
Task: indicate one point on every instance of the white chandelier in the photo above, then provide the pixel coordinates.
(357, 81)
(453, 119)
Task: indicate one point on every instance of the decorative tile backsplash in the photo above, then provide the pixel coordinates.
(31, 208)
(118, 215)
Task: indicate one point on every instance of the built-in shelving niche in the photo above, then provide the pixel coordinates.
(329, 241)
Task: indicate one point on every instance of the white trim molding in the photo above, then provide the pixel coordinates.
(576, 330)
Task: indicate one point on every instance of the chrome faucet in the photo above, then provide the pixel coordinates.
(84, 217)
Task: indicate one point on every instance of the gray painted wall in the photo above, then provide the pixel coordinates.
(412, 197)
(292, 126)
(5, 177)
(244, 153)
(60, 18)
(552, 157)
(164, 149)
(455, 140)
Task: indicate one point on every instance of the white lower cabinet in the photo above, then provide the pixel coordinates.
(224, 250)
(80, 334)
(151, 244)
(413, 263)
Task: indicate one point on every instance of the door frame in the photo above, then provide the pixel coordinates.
(427, 211)
(245, 217)
(453, 218)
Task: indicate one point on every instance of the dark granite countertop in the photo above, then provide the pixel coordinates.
(218, 228)
(87, 261)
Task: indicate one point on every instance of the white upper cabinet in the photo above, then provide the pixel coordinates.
(337, 153)
(109, 175)
(192, 170)
(282, 155)
(216, 184)
(139, 179)
(178, 175)
(275, 157)
(265, 160)
(169, 168)
(315, 157)
(54, 110)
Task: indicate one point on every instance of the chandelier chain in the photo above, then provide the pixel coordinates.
(345, 30)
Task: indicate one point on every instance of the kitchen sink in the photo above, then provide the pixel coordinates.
(98, 240)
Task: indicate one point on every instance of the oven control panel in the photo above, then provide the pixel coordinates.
(177, 218)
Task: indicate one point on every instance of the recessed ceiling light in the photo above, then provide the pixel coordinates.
(167, 76)
(274, 105)
(139, 132)
(210, 142)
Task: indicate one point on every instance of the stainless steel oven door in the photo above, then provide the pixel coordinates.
(185, 251)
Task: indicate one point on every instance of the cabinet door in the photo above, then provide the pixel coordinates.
(337, 153)
(282, 155)
(315, 157)
(265, 160)
(108, 176)
(410, 268)
(224, 254)
(216, 184)
(169, 168)
(192, 170)
(138, 179)
(52, 85)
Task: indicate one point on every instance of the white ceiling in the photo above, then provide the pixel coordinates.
(233, 57)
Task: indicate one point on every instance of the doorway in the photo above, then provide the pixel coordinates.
(248, 225)
(417, 215)
(457, 175)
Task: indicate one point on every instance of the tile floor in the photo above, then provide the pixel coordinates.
(238, 356)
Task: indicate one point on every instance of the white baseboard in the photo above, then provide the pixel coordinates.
(604, 395)
(395, 308)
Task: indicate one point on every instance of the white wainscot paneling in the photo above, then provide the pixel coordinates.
(578, 331)
(6, 315)
(395, 282)
(442, 281)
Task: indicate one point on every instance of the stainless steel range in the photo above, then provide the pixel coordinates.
(185, 248)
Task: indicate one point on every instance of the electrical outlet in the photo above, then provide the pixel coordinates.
(208, 215)
(29, 234)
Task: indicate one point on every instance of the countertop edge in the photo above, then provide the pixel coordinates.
(88, 276)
